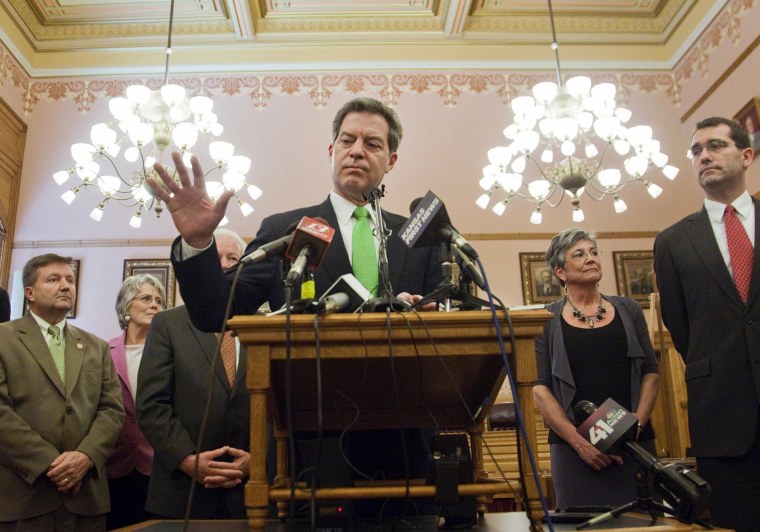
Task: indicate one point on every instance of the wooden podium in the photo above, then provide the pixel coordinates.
(433, 357)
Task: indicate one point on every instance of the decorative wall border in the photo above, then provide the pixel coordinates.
(321, 87)
(390, 86)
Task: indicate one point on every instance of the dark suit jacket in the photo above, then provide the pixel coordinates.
(543, 292)
(205, 288)
(173, 384)
(717, 335)
(40, 418)
(5, 306)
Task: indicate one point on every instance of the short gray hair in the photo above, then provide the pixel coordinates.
(555, 255)
(233, 235)
(129, 289)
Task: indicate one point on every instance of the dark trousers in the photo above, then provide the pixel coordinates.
(735, 481)
(59, 521)
(128, 494)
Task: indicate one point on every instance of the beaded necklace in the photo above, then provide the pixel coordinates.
(601, 310)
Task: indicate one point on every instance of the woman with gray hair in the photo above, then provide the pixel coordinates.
(596, 347)
(128, 465)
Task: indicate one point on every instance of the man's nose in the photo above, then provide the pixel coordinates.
(357, 148)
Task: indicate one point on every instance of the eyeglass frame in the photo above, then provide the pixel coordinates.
(149, 299)
(593, 253)
(712, 145)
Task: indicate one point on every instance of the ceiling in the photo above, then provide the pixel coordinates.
(87, 37)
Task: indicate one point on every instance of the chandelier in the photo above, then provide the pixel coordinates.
(146, 122)
(570, 118)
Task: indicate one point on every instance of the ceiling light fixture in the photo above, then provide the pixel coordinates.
(149, 121)
(571, 117)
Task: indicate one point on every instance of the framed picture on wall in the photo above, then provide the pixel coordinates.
(160, 268)
(538, 283)
(749, 117)
(73, 312)
(634, 273)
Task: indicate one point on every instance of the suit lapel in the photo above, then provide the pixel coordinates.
(396, 253)
(754, 283)
(208, 342)
(335, 262)
(703, 238)
(119, 356)
(75, 348)
(31, 337)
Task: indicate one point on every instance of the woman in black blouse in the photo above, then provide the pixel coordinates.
(596, 347)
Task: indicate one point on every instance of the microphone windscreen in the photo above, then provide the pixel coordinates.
(414, 204)
(582, 410)
(315, 232)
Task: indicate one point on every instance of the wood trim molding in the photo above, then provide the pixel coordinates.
(34, 244)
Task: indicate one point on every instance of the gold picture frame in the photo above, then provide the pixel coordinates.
(76, 266)
(160, 268)
(749, 118)
(537, 286)
(634, 275)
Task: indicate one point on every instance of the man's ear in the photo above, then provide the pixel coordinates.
(391, 162)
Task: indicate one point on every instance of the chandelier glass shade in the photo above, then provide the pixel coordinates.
(562, 133)
(143, 125)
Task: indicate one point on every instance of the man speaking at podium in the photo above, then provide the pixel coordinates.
(366, 135)
(365, 138)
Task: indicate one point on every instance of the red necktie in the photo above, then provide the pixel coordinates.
(228, 353)
(740, 250)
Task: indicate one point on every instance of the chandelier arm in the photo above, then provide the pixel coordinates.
(217, 167)
(541, 170)
(113, 165)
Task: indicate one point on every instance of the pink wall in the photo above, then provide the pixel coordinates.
(444, 150)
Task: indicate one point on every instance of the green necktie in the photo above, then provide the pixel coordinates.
(363, 255)
(57, 350)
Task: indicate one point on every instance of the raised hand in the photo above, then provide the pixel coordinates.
(194, 214)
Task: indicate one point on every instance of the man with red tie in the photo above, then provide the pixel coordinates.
(708, 274)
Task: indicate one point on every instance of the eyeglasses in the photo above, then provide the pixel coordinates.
(712, 145)
(581, 254)
(148, 299)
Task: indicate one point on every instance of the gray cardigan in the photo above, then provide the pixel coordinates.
(554, 368)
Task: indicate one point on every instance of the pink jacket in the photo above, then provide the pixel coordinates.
(132, 450)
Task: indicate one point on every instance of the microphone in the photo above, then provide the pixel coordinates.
(345, 294)
(335, 303)
(611, 428)
(469, 268)
(310, 241)
(430, 224)
(270, 249)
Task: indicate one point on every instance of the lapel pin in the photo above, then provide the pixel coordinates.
(80, 346)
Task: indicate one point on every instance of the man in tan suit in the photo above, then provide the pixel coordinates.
(60, 410)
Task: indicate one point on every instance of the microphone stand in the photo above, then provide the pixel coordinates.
(448, 290)
(643, 502)
(386, 300)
